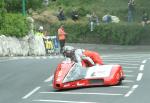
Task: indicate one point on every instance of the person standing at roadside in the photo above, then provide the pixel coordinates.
(145, 19)
(131, 10)
(61, 37)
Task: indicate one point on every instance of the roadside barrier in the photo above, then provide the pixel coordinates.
(51, 44)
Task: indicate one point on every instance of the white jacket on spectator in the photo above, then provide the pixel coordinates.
(115, 19)
(110, 18)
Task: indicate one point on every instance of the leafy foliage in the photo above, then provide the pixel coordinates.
(16, 5)
(2, 13)
(14, 25)
(101, 7)
(122, 33)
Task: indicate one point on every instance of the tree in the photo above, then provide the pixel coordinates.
(13, 5)
(16, 5)
(2, 13)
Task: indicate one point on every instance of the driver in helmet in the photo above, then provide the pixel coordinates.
(83, 57)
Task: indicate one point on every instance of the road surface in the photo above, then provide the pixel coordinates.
(29, 79)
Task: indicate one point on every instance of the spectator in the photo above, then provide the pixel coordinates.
(93, 21)
(40, 31)
(131, 5)
(61, 15)
(61, 37)
(115, 19)
(107, 18)
(46, 33)
(46, 2)
(74, 15)
(145, 19)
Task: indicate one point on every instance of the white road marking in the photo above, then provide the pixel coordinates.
(121, 86)
(104, 56)
(56, 56)
(60, 101)
(61, 56)
(79, 93)
(126, 61)
(141, 68)
(50, 57)
(123, 59)
(30, 93)
(131, 91)
(135, 86)
(129, 75)
(128, 81)
(139, 77)
(49, 79)
(15, 57)
(30, 57)
(37, 57)
(22, 57)
(44, 57)
(125, 64)
(144, 61)
(129, 67)
(7, 60)
(128, 71)
(130, 55)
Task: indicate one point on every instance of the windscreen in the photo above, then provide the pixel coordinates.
(76, 72)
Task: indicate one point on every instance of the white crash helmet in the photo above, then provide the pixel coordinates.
(67, 50)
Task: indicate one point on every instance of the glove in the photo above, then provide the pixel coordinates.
(88, 59)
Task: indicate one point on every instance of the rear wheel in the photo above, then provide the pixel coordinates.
(119, 79)
(120, 82)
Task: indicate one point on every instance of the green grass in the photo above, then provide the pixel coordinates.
(101, 7)
(123, 33)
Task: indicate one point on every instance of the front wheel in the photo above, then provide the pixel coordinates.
(119, 79)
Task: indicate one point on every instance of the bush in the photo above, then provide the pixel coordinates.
(16, 5)
(2, 13)
(122, 33)
(14, 25)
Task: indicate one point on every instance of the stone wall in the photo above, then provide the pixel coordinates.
(26, 46)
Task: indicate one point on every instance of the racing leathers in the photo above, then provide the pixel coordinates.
(87, 57)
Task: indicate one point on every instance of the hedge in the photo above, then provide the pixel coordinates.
(122, 33)
(14, 25)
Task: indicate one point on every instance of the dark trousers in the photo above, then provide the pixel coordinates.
(62, 44)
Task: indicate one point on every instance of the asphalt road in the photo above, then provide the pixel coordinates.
(28, 79)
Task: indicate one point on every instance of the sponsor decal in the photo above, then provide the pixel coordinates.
(58, 80)
(80, 84)
(66, 85)
(60, 73)
(99, 71)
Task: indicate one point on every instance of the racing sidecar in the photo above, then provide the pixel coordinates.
(69, 74)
